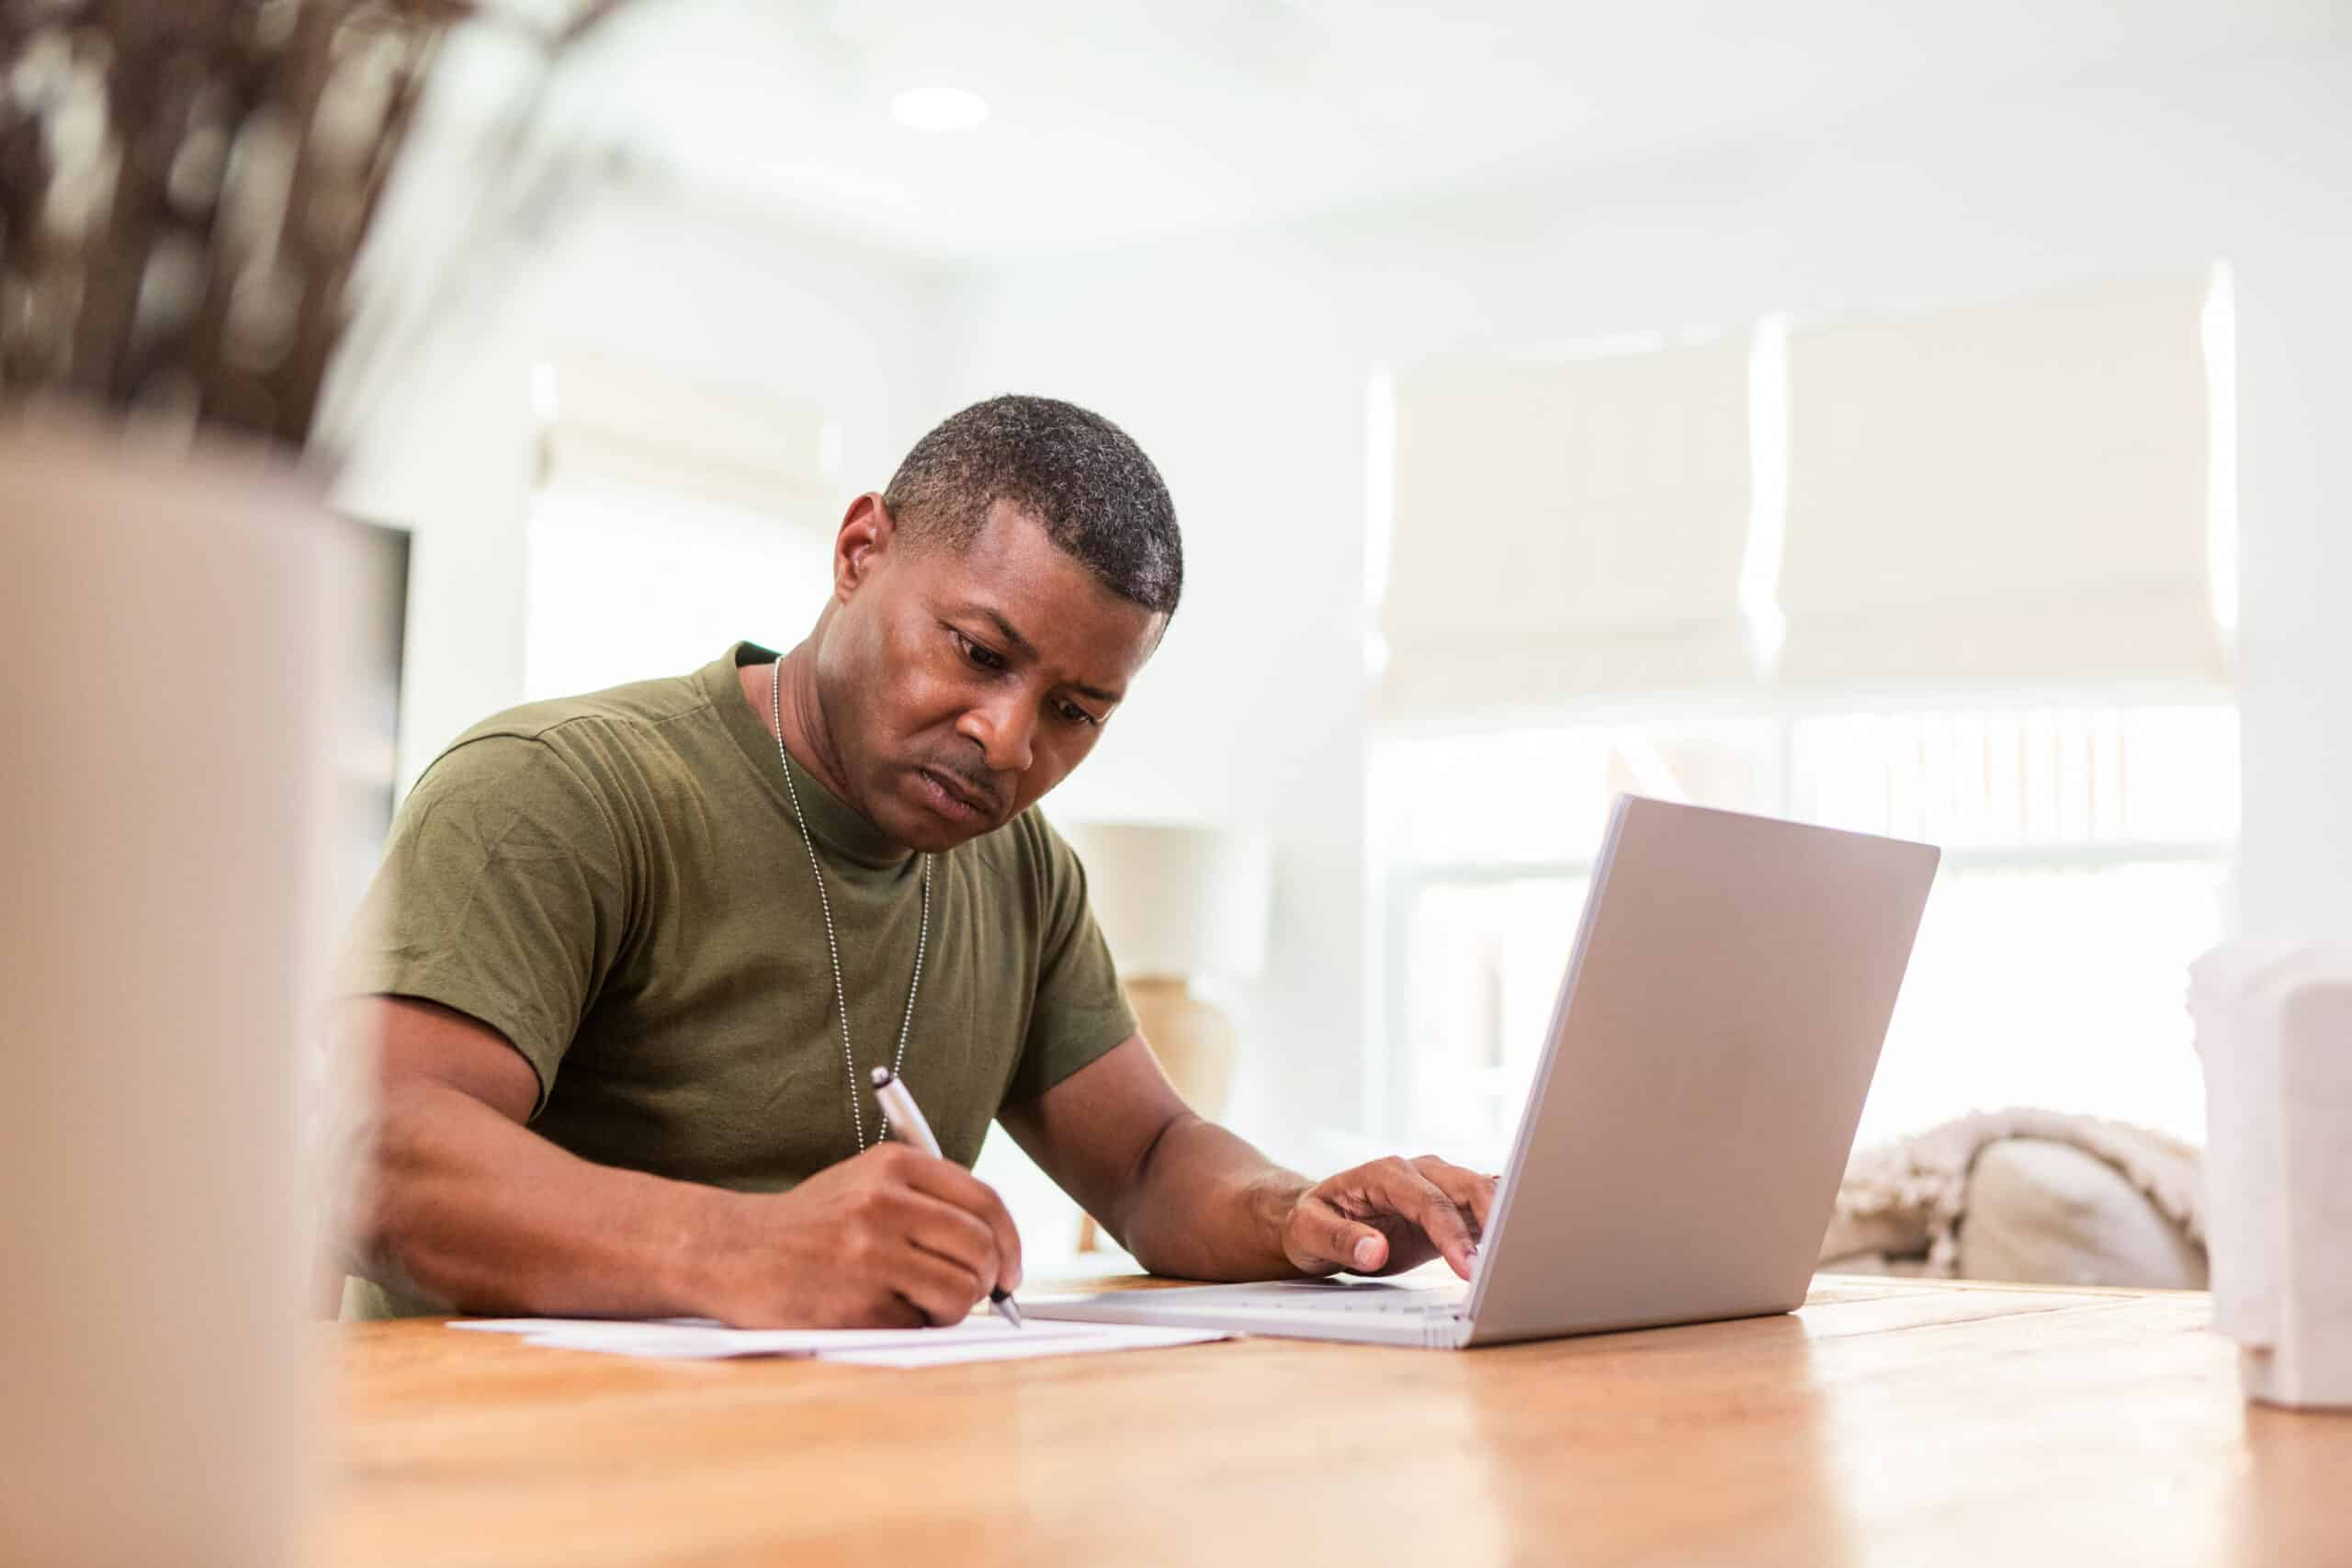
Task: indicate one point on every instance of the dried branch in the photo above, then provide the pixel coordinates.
(185, 186)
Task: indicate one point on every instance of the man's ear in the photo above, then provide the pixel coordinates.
(867, 532)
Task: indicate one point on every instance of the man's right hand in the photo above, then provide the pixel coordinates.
(894, 1238)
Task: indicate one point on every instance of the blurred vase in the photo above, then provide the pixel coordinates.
(161, 621)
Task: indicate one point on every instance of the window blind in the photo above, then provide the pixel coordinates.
(744, 448)
(1565, 529)
(2008, 495)
(672, 517)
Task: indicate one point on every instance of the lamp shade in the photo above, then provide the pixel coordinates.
(1177, 899)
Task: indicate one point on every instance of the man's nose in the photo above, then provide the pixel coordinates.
(1004, 729)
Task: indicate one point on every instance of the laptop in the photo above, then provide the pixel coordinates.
(1704, 1072)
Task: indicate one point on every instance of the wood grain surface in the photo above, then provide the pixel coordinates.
(1887, 1421)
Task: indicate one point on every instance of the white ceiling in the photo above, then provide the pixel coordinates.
(1120, 120)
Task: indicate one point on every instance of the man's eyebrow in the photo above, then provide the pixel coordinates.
(1005, 629)
(1021, 645)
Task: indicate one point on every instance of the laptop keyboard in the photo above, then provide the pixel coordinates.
(1366, 1299)
(1378, 1304)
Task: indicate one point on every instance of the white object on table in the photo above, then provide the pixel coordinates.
(2274, 1028)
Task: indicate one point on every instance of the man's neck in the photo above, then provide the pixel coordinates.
(805, 734)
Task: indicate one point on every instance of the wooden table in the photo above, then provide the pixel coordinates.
(1888, 1422)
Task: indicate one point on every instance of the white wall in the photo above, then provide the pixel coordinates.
(1243, 377)
(644, 279)
(1241, 364)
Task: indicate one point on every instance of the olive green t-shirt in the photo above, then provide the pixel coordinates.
(616, 884)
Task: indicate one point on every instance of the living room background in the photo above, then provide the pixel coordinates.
(1241, 359)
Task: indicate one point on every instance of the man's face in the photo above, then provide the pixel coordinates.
(959, 685)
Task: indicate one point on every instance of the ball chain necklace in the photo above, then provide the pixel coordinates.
(832, 944)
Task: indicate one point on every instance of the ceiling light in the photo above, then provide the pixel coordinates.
(939, 108)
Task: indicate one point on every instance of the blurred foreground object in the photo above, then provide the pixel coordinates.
(2274, 1027)
(163, 627)
(183, 189)
(185, 186)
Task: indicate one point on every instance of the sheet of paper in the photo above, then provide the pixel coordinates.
(977, 1339)
(948, 1347)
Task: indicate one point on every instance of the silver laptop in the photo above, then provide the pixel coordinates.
(1679, 1154)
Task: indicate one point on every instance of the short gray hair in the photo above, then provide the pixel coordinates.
(1098, 497)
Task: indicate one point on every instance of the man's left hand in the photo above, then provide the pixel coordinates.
(1388, 1216)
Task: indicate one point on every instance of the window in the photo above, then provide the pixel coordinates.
(1963, 578)
(671, 518)
(630, 580)
(2085, 853)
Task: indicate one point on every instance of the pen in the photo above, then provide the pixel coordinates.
(905, 1117)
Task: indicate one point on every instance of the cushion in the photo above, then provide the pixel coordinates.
(2046, 1213)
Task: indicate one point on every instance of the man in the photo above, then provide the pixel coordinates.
(631, 956)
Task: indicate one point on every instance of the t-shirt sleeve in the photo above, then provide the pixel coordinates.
(502, 894)
(1080, 1012)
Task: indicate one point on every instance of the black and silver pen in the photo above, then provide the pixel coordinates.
(905, 1117)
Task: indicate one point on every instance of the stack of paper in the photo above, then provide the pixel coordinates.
(977, 1339)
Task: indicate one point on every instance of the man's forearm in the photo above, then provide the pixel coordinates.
(457, 1205)
(1206, 1206)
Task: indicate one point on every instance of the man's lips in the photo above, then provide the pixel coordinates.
(962, 794)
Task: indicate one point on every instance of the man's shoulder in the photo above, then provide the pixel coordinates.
(611, 747)
(640, 704)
